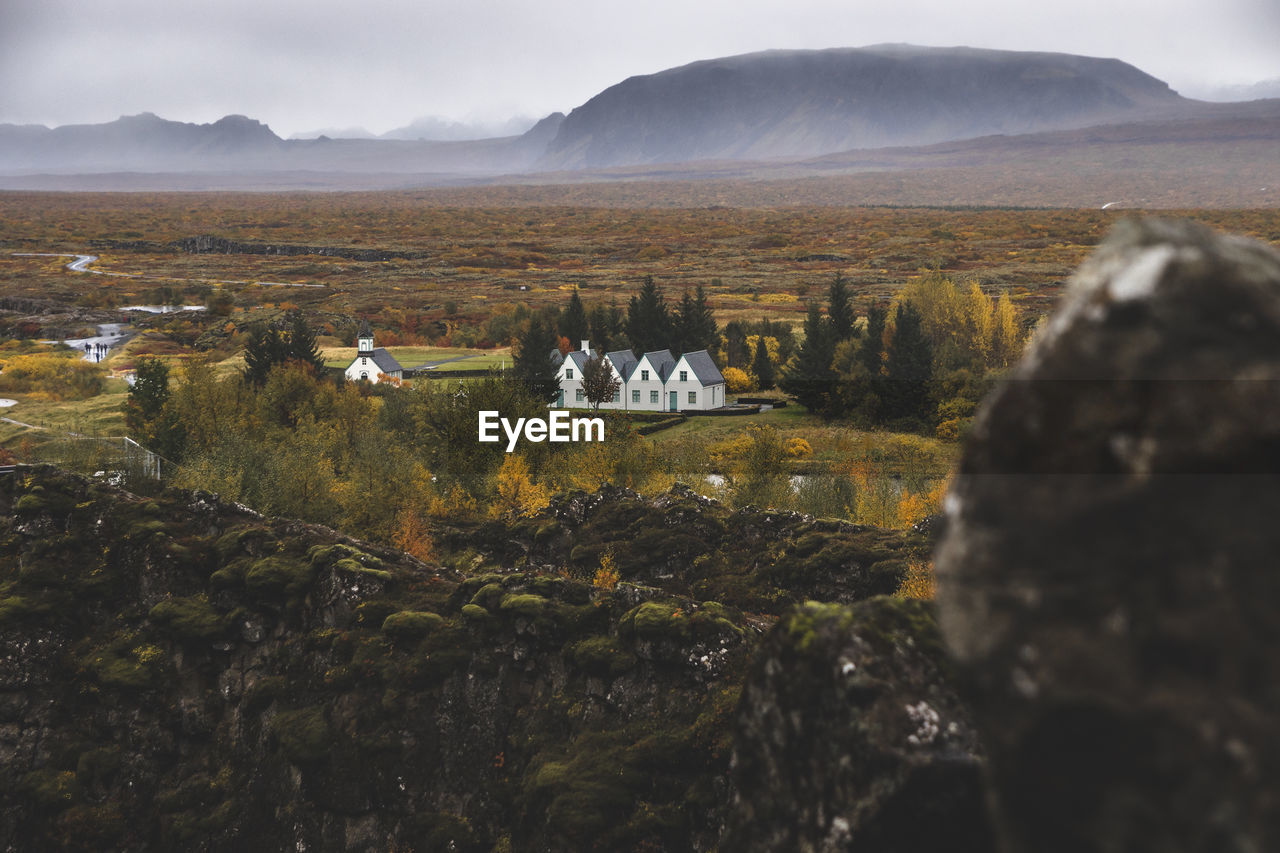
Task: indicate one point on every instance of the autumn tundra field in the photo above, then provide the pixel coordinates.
(464, 274)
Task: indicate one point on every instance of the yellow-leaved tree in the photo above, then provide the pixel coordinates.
(518, 494)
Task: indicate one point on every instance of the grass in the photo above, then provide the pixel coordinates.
(97, 416)
(477, 359)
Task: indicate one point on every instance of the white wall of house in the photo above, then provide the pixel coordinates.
(570, 377)
(363, 367)
(690, 392)
(650, 389)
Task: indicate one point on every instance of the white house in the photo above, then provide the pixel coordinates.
(370, 364)
(569, 374)
(656, 382)
(647, 389)
(695, 383)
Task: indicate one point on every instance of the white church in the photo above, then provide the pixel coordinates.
(654, 382)
(370, 364)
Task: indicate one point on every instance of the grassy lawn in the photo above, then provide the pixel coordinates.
(720, 428)
(100, 415)
(478, 359)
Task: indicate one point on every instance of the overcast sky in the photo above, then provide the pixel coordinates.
(304, 64)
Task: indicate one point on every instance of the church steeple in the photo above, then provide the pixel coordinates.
(364, 340)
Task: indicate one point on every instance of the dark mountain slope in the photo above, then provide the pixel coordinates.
(798, 103)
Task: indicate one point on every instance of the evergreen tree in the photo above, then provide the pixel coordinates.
(839, 310)
(573, 322)
(302, 343)
(909, 369)
(762, 366)
(146, 412)
(648, 321)
(871, 353)
(695, 326)
(265, 348)
(809, 377)
(682, 333)
(531, 363)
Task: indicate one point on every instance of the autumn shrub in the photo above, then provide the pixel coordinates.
(55, 376)
(736, 380)
(919, 581)
(606, 577)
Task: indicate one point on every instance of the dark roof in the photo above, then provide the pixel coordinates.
(365, 330)
(556, 357)
(579, 359)
(663, 362)
(385, 361)
(703, 368)
(624, 361)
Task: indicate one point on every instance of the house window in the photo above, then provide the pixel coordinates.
(363, 361)
(635, 396)
(684, 376)
(644, 376)
(568, 374)
(693, 396)
(617, 396)
(580, 396)
(653, 396)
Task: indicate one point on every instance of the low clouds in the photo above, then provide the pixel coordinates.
(298, 65)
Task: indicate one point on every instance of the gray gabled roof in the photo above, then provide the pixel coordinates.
(703, 368)
(365, 330)
(624, 361)
(579, 359)
(556, 357)
(663, 362)
(386, 361)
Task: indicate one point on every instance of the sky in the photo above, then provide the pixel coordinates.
(300, 65)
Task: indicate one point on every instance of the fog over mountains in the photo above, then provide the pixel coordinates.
(770, 106)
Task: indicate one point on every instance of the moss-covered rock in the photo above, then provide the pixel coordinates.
(409, 624)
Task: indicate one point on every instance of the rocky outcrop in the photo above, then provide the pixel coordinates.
(206, 244)
(850, 737)
(687, 544)
(1105, 579)
(178, 673)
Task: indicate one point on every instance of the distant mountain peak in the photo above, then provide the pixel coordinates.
(789, 103)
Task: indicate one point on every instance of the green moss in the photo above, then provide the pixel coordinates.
(802, 623)
(656, 620)
(547, 532)
(30, 504)
(303, 735)
(476, 613)
(601, 656)
(489, 596)
(15, 608)
(116, 666)
(411, 623)
(278, 574)
(191, 619)
(547, 587)
(351, 566)
(374, 612)
(146, 529)
(527, 605)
